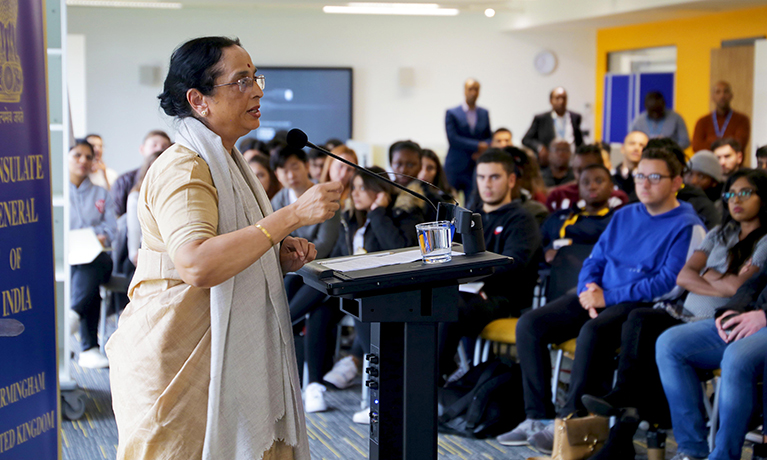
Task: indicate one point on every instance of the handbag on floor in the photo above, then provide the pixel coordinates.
(578, 438)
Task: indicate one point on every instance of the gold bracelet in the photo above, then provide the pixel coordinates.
(258, 226)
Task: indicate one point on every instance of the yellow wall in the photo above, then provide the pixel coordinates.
(694, 39)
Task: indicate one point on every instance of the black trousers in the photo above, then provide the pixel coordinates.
(638, 379)
(597, 341)
(85, 297)
(474, 313)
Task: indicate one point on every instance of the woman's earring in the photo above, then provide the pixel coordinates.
(204, 113)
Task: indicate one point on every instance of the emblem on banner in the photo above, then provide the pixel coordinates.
(11, 76)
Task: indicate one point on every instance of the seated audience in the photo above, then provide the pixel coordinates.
(378, 220)
(101, 175)
(501, 138)
(606, 151)
(701, 203)
(251, 147)
(259, 164)
(89, 208)
(525, 167)
(565, 196)
(509, 230)
(433, 173)
(558, 123)
(761, 158)
(581, 224)
(634, 263)
(558, 171)
(735, 343)
(632, 147)
(405, 161)
(730, 254)
(332, 143)
(722, 122)
(291, 166)
(153, 141)
(336, 171)
(316, 163)
(704, 172)
(659, 121)
(729, 152)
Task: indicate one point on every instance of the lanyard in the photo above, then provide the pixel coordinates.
(561, 131)
(573, 218)
(720, 134)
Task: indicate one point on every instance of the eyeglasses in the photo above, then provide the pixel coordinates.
(245, 83)
(742, 195)
(653, 178)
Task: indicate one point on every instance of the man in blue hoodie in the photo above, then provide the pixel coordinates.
(635, 263)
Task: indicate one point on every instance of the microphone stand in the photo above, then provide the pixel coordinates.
(371, 173)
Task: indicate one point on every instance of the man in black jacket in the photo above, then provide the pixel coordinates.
(509, 230)
(558, 123)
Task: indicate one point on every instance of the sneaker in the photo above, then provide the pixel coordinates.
(683, 456)
(519, 435)
(93, 359)
(343, 373)
(543, 441)
(74, 321)
(362, 417)
(314, 398)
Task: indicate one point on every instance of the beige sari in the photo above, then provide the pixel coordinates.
(160, 355)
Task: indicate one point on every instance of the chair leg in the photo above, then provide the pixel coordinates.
(714, 419)
(477, 348)
(555, 376)
(462, 356)
(486, 351)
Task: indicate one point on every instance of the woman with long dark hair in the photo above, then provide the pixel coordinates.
(730, 254)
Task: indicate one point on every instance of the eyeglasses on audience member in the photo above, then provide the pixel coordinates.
(742, 195)
(245, 83)
(654, 178)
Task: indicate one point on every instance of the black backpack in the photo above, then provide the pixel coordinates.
(485, 402)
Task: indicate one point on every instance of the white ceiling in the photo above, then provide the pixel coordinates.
(527, 14)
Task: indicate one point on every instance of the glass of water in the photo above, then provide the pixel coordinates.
(435, 239)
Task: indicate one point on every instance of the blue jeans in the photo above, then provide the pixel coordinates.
(683, 349)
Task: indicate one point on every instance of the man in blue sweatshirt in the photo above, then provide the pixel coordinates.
(635, 263)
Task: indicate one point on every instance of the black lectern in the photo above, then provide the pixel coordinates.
(404, 303)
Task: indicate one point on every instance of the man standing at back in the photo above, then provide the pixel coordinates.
(659, 121)
(558, 123)
(468, 133)
(722, 122)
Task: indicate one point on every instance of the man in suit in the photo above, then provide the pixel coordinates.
(559, 123)
(468, 133)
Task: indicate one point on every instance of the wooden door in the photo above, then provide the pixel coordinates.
(736, 65)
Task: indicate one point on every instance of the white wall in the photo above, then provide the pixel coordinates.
(442, 51)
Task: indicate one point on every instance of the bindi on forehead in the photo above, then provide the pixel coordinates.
(248, 65)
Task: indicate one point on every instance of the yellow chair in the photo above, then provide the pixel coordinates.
(500, 331)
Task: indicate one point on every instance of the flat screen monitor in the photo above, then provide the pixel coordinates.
(317, 100)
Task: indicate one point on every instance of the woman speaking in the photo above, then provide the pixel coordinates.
(203, 363)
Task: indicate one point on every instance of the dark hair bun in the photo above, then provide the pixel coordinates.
(192, 65)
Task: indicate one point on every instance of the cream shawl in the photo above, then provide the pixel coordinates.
(254, 395)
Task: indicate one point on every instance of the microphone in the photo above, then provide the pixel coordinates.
(298, 139)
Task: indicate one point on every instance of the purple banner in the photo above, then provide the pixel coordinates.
(29, 417)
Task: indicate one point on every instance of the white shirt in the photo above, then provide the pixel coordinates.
(563, 127)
